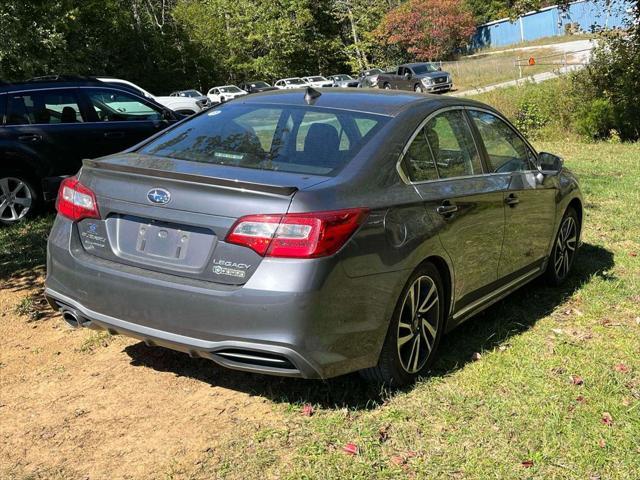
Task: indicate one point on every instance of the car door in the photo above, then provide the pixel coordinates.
(48, 125)
(120, 119)
(529, 198)
(466, 205)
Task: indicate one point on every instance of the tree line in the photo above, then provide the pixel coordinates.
(165, 45)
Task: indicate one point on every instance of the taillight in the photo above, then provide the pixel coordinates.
(75, 201)
(297, 235)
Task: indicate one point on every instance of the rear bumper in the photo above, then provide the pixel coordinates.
(302, 319)
(239, 355)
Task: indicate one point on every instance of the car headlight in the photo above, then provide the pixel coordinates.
(374, 81)
(427, 80)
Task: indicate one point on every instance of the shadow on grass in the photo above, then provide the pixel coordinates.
(513, 315)
(23, 250)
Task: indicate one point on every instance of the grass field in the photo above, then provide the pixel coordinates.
(545, 384)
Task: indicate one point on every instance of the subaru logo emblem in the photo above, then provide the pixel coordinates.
(159, 196)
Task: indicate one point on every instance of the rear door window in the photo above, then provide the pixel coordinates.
(286, 138)
(116, 106)
(419, 160)
(452, 145)
(43, 107)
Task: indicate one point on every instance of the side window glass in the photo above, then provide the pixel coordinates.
(49, 107)
(419, 160)
(113, 106)
(506, 150)
(452, 144)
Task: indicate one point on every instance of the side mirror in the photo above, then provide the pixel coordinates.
(439, 68)
(549, 162)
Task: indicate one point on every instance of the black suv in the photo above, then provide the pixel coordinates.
(48, 126)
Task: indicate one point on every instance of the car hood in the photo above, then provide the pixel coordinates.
(432, 75)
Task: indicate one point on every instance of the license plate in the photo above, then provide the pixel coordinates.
(161, 240)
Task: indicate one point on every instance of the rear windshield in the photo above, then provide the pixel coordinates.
(303, 140)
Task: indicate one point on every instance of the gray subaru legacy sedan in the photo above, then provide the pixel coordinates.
(312, 233)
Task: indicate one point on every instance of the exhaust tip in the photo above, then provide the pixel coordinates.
(71, 318)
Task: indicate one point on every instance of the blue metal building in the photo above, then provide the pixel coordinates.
(589, 15)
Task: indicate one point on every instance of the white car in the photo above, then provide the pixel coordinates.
(224, 93)
(287, 83)
(318, 81)
(182, 105)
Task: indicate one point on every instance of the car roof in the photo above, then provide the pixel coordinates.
(44, 84)
(416, 64)
(380, 102)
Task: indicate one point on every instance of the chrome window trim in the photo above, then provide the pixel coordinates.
(403, 175)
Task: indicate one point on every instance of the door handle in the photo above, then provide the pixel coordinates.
(512, 200)
(30, 138)
(446, 209)
(113, 134)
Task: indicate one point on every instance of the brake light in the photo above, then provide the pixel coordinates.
(75, 201)
(297, 235)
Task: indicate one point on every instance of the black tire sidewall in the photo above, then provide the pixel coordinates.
(551, 274)
(396, 375)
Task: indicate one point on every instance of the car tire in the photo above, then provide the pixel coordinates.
(414, 332)
(387, 86)
(19, 198)
(565, 247)
(418, 88)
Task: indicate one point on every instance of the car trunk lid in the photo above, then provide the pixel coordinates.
(172, 216)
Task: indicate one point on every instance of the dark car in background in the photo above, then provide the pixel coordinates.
(311, 236)
(48, 127)
(416, 77)
(256, 87)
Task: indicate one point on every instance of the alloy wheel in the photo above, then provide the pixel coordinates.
(418, 89)
(15, 199)
(565, 247)
(418, 325)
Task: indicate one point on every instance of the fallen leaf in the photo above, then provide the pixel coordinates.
(476, 356)
(351, 449)
(637, 320)
(557, 331)
(633, 254)
(577, 380)
(411, 454)
(527, 463)
(307, 410)
(621, 367)
(607, 419)
(602, 443)
(581, 399)
(398, 460)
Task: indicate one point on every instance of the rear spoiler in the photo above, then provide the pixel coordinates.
(190, 177)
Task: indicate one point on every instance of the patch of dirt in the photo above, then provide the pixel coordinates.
(116, 410)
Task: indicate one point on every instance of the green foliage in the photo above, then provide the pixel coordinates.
(610, 85)
(595, 119)
(529, 118)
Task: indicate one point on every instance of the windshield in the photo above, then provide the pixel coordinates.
(230, 89)
(190, 93)
(342, 77)
(260, 84)
(316, 79)
(294, 81)
(304, 140)
(424, 68)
